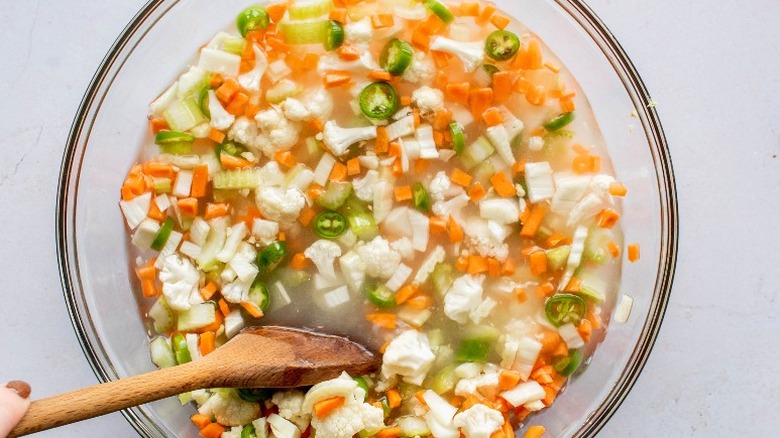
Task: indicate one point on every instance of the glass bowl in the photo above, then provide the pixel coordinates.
(162, 38)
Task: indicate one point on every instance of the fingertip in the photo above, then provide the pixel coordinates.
(12, 408)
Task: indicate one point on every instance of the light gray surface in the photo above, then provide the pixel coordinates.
(712, 70)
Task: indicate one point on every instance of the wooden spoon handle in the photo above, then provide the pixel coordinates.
(102, 399)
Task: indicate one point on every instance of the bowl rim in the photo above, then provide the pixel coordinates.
(584, 16)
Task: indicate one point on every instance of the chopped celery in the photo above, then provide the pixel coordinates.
(557, 257)
(162, 353)
(592, 285)
(180, 349)
(236, 179)
(281, 91)
(444, 380)
(483, 172)
(184, 114)
(197, 316)
(476, 344)
(162, 235)
(556, 142)
(308, 9)
(442, 277)
(234, 45)
(306, 32)
(161, 185)
(476, 153)
(162, 316)
(361, 220)
(596, 249)
(412, 427)
(335, 195)
(290, 277)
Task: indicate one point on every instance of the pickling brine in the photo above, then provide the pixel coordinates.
(423, 177)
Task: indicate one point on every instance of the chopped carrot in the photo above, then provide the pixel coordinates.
(208, 290)
(216, 135)
(518, 168)
(149, 288)
(480, 100)
(608, 218)
(406, 100)
(420, 302)
(339, 172)
(469, 8)
(437, 224)
(200, 179)
(520, 294)
(213, 430)
(477, 192)
(251, 110)
(397, 168)
(567, 104)
(477, 264)
(223, 307)
(508, 267)
(230, 162)
(546, 289)
(420, 166)
(299, 261)
(155, 213)
(310, 61)
(380, 75)
(385, 320)
(508, 379)
(494, 267)
(306, 216)
(534, 51)
(421, 39)
(438, 139)
(390, 432)
(336, 78)
(157, 124)
(537, 261)
(585, 329)
(617, 189)
(338, 14)
(492, 117)
(536, 95)
(433, 24)
(158, 170)
(276, 11)
(502, 86)
(382, 144)
(442, 59)
(215, 210)
(486, 14)
(188, 206)
(535, 432)
(217, 79)
(200, 421)
(419, 396)
(403, 193)
(348, 53)
(286, 159)
(206, 343)
(531, 225)
(379, 21)
(326, 407)
(417, 121)
(227, 90)
(442, 119)
(393, 398)
(614, 249)
(499, 21)
(252, 309)
(462, 263)
(454, 230)
(458, 93)
(633, 252)
(353, 167)
(549, 65)
(503, 185)
(574, 286)
(460, 177)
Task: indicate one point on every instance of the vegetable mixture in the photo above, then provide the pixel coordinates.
(423, 177)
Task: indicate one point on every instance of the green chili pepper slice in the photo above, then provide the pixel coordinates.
(255, 394)
(458, 137)
(335, 35)
(330, 224)
(270, 257)
(252, 18)
(379, 295)
(473, 350)
(203, 101)
(565, 308)
(180, 349)
(420, 197)
(248, 431)
(162, 235)
(258, 295)
(396, 56)
(559, 121)
(379, 101)
(502, 45)
(362, 383)
(440, 10)
(229, 147)
(164, 138)
(567, 365)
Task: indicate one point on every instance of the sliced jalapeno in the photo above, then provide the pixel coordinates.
(162, 235)
(270, 257)
(330, 224)
(559, 121)
(255, 394)
(420, 197)
(252, 18)
(567, 365)
(379, 294)
(458, 137)
(379, 101)
(565, 308)
(165, 138)
(502, 45)
(440, 10)
(396, 56)
(259, 296)
(335, 35)
(229, 147)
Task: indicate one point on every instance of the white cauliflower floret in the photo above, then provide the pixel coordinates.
(220, 118)
(421, 69)
(234, 432)
(320, 104)
(428, 99)
(323, 253)
(180, 281)
(381, 261)
(277, 132)
(485, 380)
(349, 419)
(280, 205)
(439, 186)
(290, 404)
(359, 33)
(271, 174)
(245, 132)
(364, 187)
(452, 207)
(265, 231)
(251, 79)
(295, 110)
(409, 356)
(471, 54)
(331, 62)
(484, 240)
(339, 139)
(463, 296)
(479, 421)
(404, 247)
(228, 409)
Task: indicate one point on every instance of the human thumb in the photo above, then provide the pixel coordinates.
(13, 404)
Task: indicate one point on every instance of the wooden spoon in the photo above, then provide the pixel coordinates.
(258, 357)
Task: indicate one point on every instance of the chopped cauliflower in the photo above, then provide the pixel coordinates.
(320, 104)
(471, 54)
(220, 118)
(354, 416)
(251, 79)
(452, 207)
(483, 240)
(485, 381)
(364, 187)
(463, 296)
(404, 247)
(409, 356)
(295, 110)
(277, 132)
(290, 404)
(180, 281)
(380, 259)
(280, 205)
(339, 139)
(245, 132)
(428, 99)
(421, 69)
(323, 253)
(479, 421)
(439, 186)
(266, 232)
(228, 409)
(359, 33)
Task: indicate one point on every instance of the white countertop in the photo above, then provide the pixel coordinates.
(711, 66)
